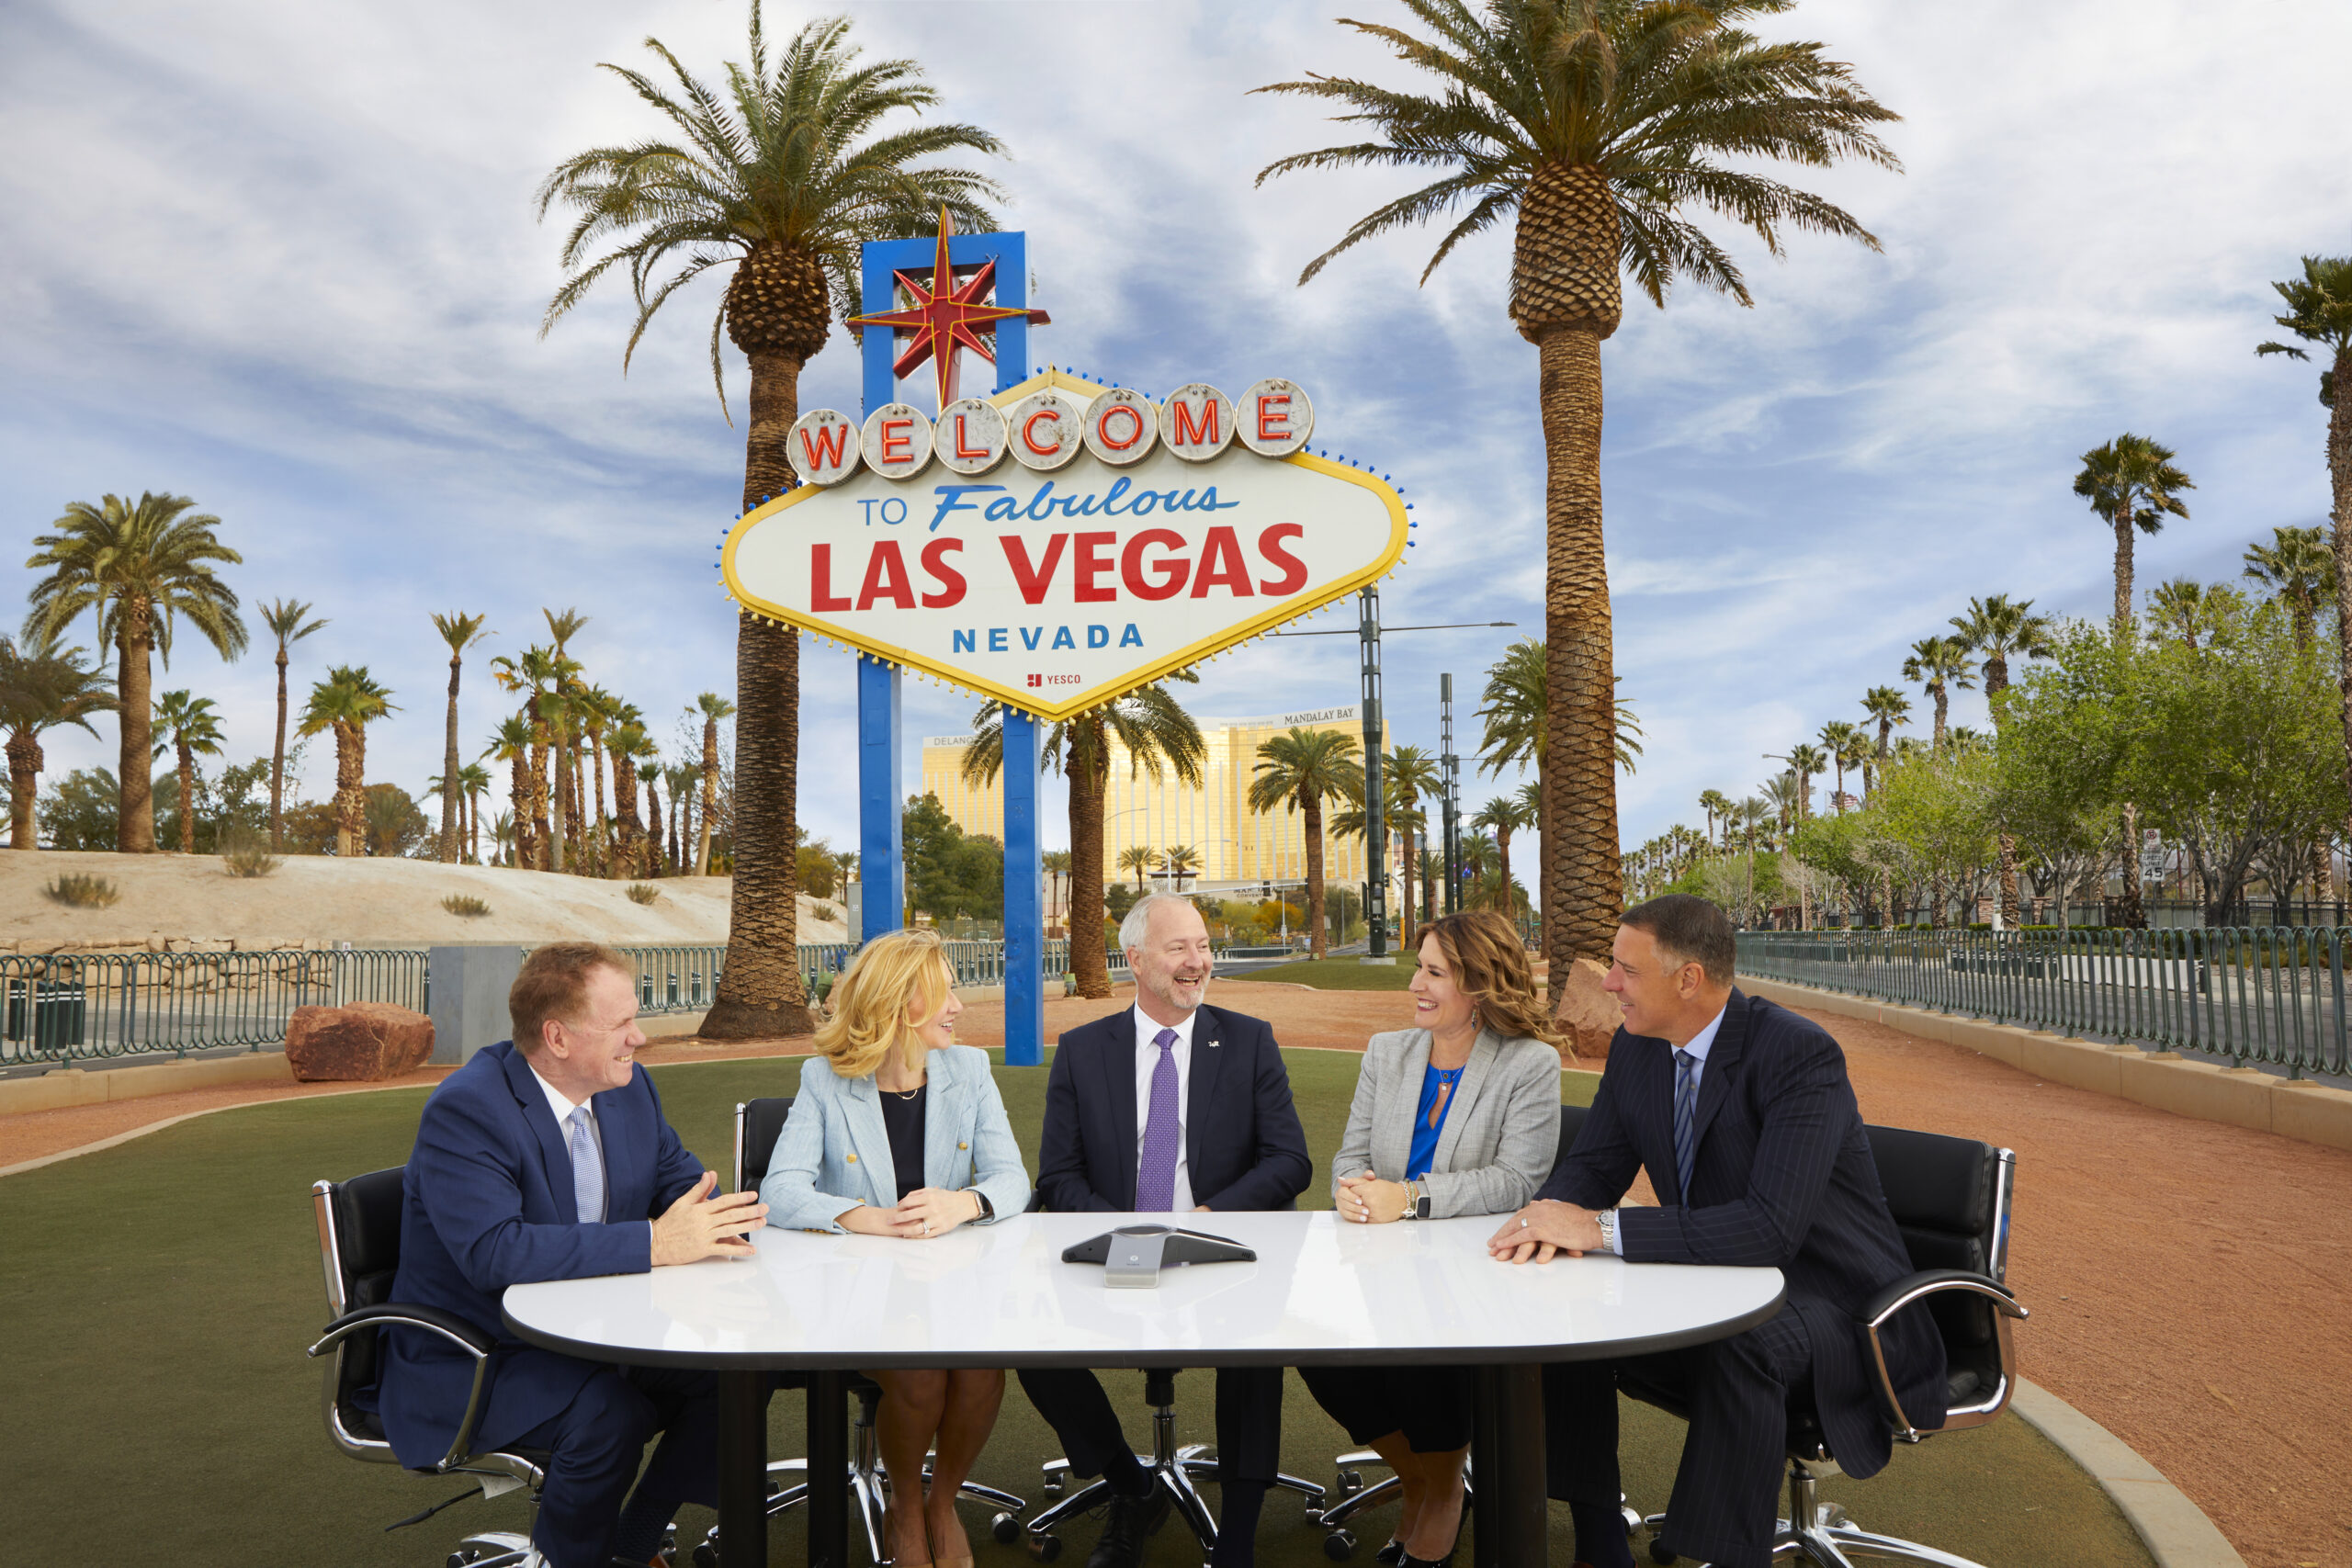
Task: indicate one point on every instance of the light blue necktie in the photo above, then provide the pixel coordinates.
(1685, 1101)
(587, 1168)
(1156, 1172)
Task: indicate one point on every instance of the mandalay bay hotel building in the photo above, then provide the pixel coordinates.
(1236, 851)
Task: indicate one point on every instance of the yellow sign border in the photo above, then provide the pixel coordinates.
(1021, 699)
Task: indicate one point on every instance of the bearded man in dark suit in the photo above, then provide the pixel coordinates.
(1168, 1106)
(1742, 1115)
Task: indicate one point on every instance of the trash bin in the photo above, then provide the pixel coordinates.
(48, 1015)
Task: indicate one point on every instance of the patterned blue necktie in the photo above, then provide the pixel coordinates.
(1685, 1101)
(587, 1168)
(1156, 1174)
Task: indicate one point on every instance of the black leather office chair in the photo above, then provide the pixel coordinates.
(1951, 1200)
(758, 1123)
(359, 1246)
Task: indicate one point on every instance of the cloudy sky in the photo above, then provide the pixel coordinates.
(282, 258)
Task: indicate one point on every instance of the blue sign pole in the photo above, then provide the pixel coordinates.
(881, 858)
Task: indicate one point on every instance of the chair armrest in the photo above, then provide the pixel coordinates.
(1918, 1287)
(433, 1320)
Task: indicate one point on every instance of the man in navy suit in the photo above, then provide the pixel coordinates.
(547, 1158)
(1169, 1107)
(1741, 1112)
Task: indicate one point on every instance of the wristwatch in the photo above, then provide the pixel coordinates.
(1608, 1222)
(988, 1210)
(1417, 1201)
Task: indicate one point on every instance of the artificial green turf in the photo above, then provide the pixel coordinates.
(1335, 974)
(159, 1409)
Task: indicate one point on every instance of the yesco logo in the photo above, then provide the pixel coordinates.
(1121, 535)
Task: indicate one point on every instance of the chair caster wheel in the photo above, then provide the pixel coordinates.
(1006, 1528)
(1045, 1548)
(1661, 1553)
(706, 1555)
(1351, 1483)
(1339, 1546)
(1052, 1487)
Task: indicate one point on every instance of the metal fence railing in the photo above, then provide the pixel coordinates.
(2269, 995)
(65, 1008)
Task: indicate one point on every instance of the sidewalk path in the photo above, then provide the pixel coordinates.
(2190, 1283)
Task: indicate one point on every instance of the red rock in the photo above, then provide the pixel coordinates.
(358, 1044)
(1587, 1014)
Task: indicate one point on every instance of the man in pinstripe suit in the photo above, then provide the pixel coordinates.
(1741, 1113)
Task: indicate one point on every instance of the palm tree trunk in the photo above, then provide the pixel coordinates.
(760, 991)
(1411, 913)
(1583, 884)
(1502, 857)
(560, 787)
(350, 792)
(135, 802)
(709, 793)
(25, 761)
(1089, 767)
(1318, 945)
(519, 786)
(631, 834)
(278, 763)
(449, 827)
(187, 799)
(2123, 567)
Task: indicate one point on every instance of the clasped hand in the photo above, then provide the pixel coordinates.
(926, 1212)
(1544, 1229)
(698, 1226)
(1368, 1201)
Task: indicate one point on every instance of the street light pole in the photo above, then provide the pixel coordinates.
(1451, 805)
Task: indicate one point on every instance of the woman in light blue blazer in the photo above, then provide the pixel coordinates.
(899, 1132)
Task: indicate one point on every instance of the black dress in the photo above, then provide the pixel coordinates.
(902, 1114)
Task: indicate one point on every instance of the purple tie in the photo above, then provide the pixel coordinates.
(1155, 1176)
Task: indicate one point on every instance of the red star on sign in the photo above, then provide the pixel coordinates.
(945, 320)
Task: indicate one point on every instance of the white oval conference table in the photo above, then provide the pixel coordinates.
(1320, 1291)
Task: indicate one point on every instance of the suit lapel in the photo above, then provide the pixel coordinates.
(862, 1108)
(616, 1131)
(1201, 1091)
(555, 1156)
(1392, 1136)
(943, 1120)
(1119, 1078)
(1465, 1095)
(1722, 1063)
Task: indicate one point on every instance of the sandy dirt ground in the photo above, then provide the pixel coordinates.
(371, 902)
(2190, 1283)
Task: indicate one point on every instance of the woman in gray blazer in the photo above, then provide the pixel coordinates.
(1459, 1115)
(899, 1132)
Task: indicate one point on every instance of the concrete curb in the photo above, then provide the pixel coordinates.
(2175, 1530)
(2163, 1080)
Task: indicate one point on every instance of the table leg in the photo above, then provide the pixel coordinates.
(1511, 1518)
(828, 1471)
(743, 1469)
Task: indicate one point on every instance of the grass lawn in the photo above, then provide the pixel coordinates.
(164, 1412)
(1335, 974)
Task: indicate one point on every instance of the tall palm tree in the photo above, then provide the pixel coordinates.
(2298, 567)
(1141, 858)
(713, 708)
(511, 744)
(556, 709)
(347, 702)
(1401, 824)
(1055, 863)
(629, 745)
(2189, 609)
(1886, 706)
(288, 621)
(191, 728)
(1298, 770)
(1411, 773)
(2132, 483)
(681, 778)
(1806, 761)
(1602, 123)
(599, 710)
(460, 631)
(2318, 311)
(1155, 731)
(781, 174)
(137, 568)
(502, 834)
(1992, 629)
(42, 685)
(1716, 805)
(1182, 861)
(1938, 664)
(473, 783)
(1838, 740)
(1502, 817)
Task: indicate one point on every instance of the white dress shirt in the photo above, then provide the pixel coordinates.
(1701, 1044)
(560, 1106)
(1147, 1061)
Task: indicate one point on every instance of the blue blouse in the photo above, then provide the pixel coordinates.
(1426, 1125)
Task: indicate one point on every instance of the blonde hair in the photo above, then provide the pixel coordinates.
(895, 973)
(1490, 967)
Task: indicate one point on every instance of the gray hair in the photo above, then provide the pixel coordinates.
(1136, 930)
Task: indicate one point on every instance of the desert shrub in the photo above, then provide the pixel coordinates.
(825, 911)
(83, 892)
(464, 904)
(644, 893)
(246, 853)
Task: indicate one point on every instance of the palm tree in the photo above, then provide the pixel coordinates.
(1298, 770)
(1601, 125)
(1182, 861)
(137, 567)
(629, 744)
(1992, 629)
(1409, 773)
(460, 631)
(473, 783)
(1806, 761)
(2298, 567)
(713, 708)
(502, 834)
(191, 728)
(1502, 817)
(1401, 824)
(780, 176)
(511, 744)
(681, 778)
(1886, 708)
(2189, 609)
(347, 702)
(599, 710)
(1938, 663)
(1055, 863)
(1141, 858)
(287, 622)
(2131, 482)
(1154, 730)
(42, 686)
(555, 709)
(1715, 804)
(1838, 740)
